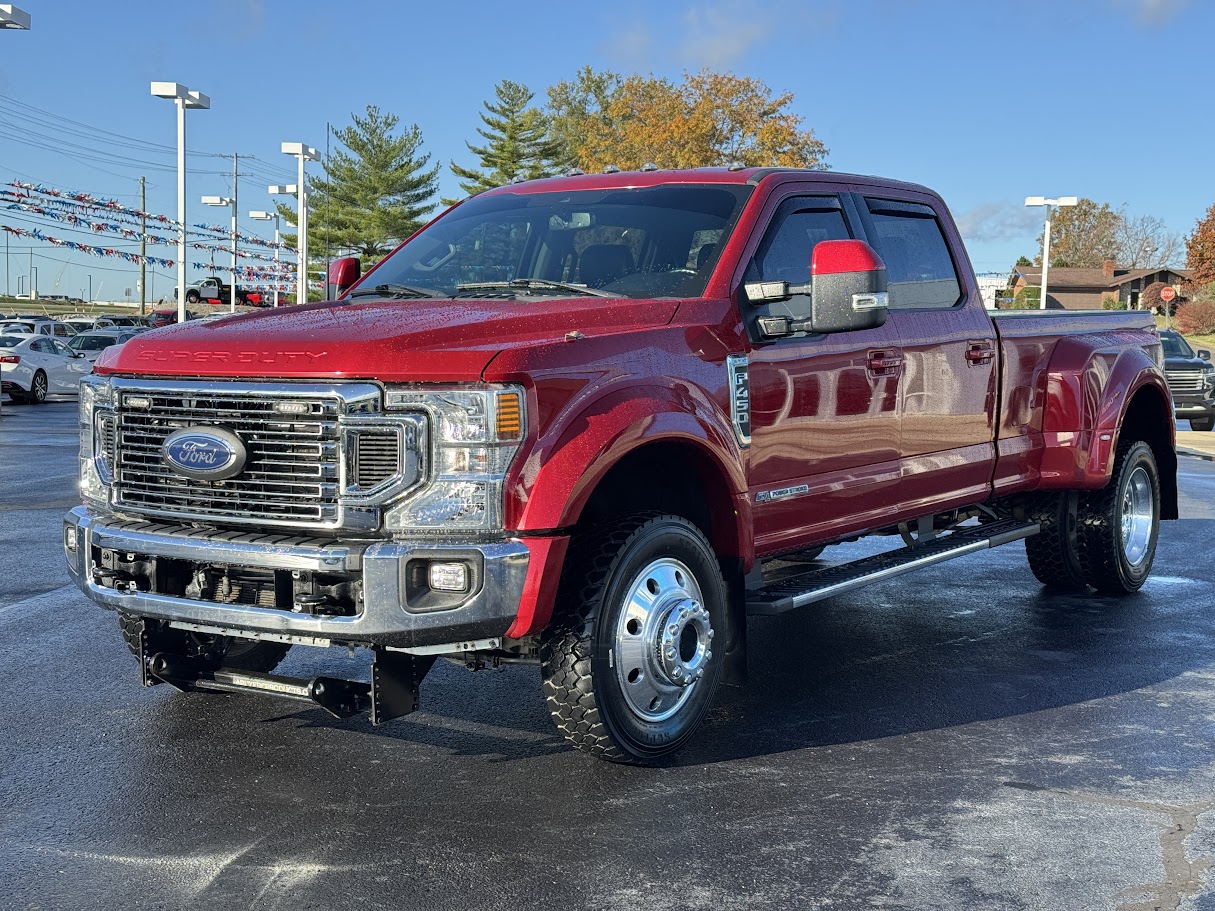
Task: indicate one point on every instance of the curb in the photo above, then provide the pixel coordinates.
(1195, 454)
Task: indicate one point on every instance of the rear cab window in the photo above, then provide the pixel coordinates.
(920, 271)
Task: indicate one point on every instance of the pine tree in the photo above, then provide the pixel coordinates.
(518, 142)
(376, 190)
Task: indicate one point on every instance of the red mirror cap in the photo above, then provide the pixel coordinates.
(344, 272)
(831, 257)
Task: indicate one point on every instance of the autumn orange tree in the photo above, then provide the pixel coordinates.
(1200, 250)
(708, 119)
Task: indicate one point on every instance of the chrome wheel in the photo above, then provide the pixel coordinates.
(1138, 516)
(663, 640)
(38, 388)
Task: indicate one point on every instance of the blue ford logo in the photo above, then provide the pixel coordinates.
(204, 453)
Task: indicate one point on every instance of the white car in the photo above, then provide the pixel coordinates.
(37, 327)
(91, 342)
(35, 366)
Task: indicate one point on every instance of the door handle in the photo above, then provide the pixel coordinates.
(980, 352)
(884, 363)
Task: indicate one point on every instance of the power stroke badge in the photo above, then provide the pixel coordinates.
(204, 453)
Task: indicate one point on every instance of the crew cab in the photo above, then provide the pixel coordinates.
(592, 423)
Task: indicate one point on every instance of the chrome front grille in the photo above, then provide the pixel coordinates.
(292, 471)
(301, 469)
(1185, 380)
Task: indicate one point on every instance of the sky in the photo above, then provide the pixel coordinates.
(985, 101)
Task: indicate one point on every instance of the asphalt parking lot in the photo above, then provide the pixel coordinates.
(957, 739)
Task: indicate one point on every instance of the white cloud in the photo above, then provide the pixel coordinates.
(999, 221)
(1156, 12)
(718, 37)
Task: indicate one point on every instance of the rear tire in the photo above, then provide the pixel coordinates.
(38, 389)
(217, 651)
(628, 668)
(1202, 424)
(1054, 552)
(1119, 525)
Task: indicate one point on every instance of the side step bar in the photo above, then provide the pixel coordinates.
(819, 584)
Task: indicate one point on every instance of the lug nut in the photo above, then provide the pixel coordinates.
(711, 634)
(672, 628)
(670, 653)
(708, 655)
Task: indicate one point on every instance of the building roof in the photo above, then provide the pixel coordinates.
(1070, 277)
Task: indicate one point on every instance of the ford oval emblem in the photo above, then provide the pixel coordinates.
(204, 453)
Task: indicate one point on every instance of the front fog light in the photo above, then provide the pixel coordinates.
(448, 577)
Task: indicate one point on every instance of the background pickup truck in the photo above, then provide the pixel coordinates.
(591, 423)
(215, 290)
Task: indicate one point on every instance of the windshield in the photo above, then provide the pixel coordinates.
(10, 341)
(17, 327)
(1176, 346)
(652, 242)
(91, 342)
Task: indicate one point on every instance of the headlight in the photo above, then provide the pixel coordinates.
(97, 430)
(476, 435)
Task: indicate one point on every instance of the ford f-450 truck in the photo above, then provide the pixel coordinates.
(591, 423)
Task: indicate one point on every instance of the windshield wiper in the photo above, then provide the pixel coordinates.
(535, 284)
(392, 290)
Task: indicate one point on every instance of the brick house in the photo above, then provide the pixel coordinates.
(1088, 289)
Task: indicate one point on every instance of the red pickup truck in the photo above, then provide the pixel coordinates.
(591, 423)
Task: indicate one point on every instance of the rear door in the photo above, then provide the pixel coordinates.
(824, 457)
(949, 351)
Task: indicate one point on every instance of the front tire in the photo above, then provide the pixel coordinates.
(192, 297)
(1120, 524)
(629, 671)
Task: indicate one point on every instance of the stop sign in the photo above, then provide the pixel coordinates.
(1167, 294)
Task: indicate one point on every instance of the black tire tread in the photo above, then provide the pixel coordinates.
(566, 650)
(1053, 558)
(1097, 528)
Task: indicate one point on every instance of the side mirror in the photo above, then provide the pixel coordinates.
(343, 273)
(1204, 354)
(847, 291)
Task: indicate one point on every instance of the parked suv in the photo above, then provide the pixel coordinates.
(1191, 377)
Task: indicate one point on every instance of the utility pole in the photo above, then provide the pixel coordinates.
(235, 179)
(143, 246)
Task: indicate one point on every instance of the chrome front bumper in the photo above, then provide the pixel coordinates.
(384, 616)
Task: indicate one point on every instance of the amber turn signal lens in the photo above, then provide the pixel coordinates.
(510, 417)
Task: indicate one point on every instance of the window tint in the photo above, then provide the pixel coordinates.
(42, 345)
(919, 270)
(784, 253)
(61, 349)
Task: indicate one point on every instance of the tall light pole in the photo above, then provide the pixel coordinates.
(13, 17)
(230, 203)
(290, 189)
(303, 153)
(185, 98)
(275, 217)
(1049, 204)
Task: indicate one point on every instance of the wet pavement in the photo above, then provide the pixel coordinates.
(955, 739)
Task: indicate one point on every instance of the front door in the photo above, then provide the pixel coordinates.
(825, 423)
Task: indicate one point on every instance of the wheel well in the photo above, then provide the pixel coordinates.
(671, 477)
(1149, 418)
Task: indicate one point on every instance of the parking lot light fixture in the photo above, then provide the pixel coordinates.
(276, 218)
(1050, 205)
(184, 98)
(303, 153)
(290, 190)
(13, 17)
(230, 203)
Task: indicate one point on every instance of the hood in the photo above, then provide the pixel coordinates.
(392, 341)
(1184, 363)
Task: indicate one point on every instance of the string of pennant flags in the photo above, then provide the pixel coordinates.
(35, 234)
(61, 199)
(248, 272)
